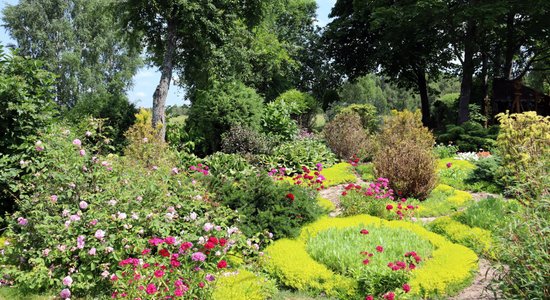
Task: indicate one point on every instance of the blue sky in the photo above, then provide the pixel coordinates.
(146, 80)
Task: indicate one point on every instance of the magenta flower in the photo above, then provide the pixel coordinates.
(65, 293)
(22, 221)
(198, 256)
(449, 165)
(159, 273)
(77, 142)
(92, 251)
(82, 152)
(209, 277)
(151, 289)
(83, 205)
(53, 198)
(99, 234)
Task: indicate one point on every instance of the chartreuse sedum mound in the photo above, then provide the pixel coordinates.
(448, 269)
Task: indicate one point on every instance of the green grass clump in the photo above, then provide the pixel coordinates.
(338, 174)
(243, 285)
(13, 293)
(492, 214)
(456, 175)
(443, 200)
(366, 171)
(326, 204)
(480, 240)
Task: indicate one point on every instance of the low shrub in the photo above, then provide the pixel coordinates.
(524, 145)
(243, 285)
(303, 106)
(443, 200)
(243, 140)
(346, 137)
(277, 122)
(367, 112)
(485, 176)
(406, 156)
(475, 238)
(265, 205)
(324, 203)
(228, 166)
(470, 136)
(445, 151)
(295, 154)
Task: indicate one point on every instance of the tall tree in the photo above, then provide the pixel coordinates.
(178, 34)
(78, 42)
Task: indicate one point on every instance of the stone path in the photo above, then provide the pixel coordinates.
(478, 290)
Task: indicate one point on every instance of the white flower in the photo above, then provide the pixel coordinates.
(121, 216)
(208, 226)
(193, 215)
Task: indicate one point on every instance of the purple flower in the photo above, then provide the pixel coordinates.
(92, 251)
(198, 256)
(209, 277)
(74, 218)
(67, 281)
(83, 205)
(208, 226)
(82, 152)
(80, 242)
(65, 293)
(22, 221)
(175, 171)
(53, 198)
(99, 234)
(77, 142)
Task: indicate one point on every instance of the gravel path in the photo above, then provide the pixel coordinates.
(478, 290)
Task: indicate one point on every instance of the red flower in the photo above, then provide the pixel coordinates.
(223, 242)
(290, 196)
(364, 231)
(406, 288)
(449, 165)
(389, 207)
(159, 273)
(344, 193)
(185, 246)
(389, 296)
(170, 240)
(209, 245)
(369, 297)
(164, 253)
(366, 262)
(412, 266)
(214, 240)
(222, 264)
(201, 284)
(379, 248)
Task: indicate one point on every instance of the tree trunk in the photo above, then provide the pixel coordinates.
(161, 92)
(485, 88)
(510, 47)
(424, 100)
(467, 75)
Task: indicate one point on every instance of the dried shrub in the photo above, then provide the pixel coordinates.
(346, 137)
(406, 157)
(245, 140)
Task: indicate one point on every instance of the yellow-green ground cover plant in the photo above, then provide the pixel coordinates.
(446, 270)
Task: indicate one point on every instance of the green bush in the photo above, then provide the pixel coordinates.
(366, 171)
(243, 140)
(303, 106)
(524, 145)
(485, 176)
(470, 136)
(367, 112)
(406, 156)
(112, 203)
(216, 110)
(493, 214)
(477, 239)
(445, 151)
(295, 154)
(234, 166)
(26, 108)
(266, 205)
(346, 136)
(277, 122)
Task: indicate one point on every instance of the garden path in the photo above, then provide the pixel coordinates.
(478, 290)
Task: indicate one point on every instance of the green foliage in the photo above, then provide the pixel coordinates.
(79, 43)
(443, 200)
(27, 93)
(406, 155)
(233, 166)
(75, 189)
(304, 152)
(346, 136)
(243, 285)
(303, 106)
(217, 109)
(454, 172)
(493, 214)
(475, 238)
(338, 174)
(470, 136)
(485, 176)
(369, 117)
(524, 145)
(326, 204)
(245, 140)
(366, 171)
(266, 205)
(277, 121)
(442, 151)
(525, 251)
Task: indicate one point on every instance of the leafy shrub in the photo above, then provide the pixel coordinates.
(366, 171)
(234, 166)
(346, 137)
(179, 137)
(406, 157)
(524, 145)
(245, 140)
(475, 238)
(216, 110)
(295, 154)
(82, 210)
(277, 122)
(243, 285)
(367, 112)
(485, 176)
(445, 151)
(303, 106)
(469, 136)
(265, 205)
(27, 106)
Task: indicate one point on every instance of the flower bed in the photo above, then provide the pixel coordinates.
(449, 268)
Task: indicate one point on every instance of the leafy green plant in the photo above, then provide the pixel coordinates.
(276, 121)
(443, 200)
(303, 106)
(454, 172)
(470, 136)
(485, 176)
(366, 171)
(295, 154)
(234, 166)
(493, 214)
(445, 151)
